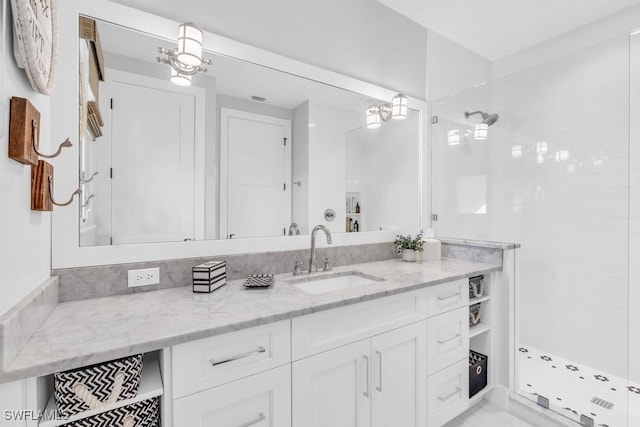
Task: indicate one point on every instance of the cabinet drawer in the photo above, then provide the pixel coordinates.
(447, 296)
(329, 329)
(447, 339)
(261, 400)
(209, 362)
(448, 393)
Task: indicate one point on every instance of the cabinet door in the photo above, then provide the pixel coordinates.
(399, 373)
(333, 388)
(261, 400)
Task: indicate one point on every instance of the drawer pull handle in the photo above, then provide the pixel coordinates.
(450, 395)
(366, 390)
(379, 386)
(455, 337)
(239, 356)
(261, 417)
(456, 295)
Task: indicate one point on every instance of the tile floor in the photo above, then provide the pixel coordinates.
(576, 390)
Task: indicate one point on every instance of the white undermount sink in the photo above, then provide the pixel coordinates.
(333, 282)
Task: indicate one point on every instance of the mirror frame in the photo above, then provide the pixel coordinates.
(66, 252)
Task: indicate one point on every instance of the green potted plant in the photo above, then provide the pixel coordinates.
(408, 246)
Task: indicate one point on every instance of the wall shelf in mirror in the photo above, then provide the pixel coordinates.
(328, 135)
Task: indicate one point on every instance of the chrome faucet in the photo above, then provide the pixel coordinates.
(312, 258)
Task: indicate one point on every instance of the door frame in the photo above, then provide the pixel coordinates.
(199, 94)
(225, 115)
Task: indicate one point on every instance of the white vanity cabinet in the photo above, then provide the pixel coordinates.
(261, 400)
(376, 381)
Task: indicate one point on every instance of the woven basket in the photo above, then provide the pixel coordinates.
(476, 287)
(474, 314)
(141, 414)
(95, 386)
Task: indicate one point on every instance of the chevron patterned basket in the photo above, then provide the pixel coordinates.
(96, 386)
(141, 414)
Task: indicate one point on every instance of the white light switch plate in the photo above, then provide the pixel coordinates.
(144, 277)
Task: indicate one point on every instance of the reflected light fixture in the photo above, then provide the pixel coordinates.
(481, 132)
(453, 137)
(397, 109)
(186, 59)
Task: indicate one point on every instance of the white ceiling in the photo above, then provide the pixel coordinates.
(498, 28)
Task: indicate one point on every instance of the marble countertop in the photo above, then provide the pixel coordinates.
(81, 333)
(479, 243)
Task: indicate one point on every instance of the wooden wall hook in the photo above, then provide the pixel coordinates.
(42, 188)
(22, 140)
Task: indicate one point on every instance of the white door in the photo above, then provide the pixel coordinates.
(153, 164)
(399, 373)
(255, 185)
(261, 400)
(333, 388)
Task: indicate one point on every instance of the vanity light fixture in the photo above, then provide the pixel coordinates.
(397, 109)
(481, 132)
(185, 60)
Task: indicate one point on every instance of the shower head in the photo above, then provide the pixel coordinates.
(487, 119)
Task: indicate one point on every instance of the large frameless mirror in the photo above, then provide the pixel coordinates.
(244, 151)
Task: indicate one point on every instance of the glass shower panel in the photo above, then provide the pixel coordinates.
(634, 235)
(553, 174)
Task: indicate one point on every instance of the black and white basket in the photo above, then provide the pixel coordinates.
(476, 287)
(95, 386)
(475, 312)
(140, 414)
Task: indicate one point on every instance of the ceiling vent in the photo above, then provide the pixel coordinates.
(258, 98)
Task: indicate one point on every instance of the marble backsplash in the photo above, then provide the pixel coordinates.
(101, 281)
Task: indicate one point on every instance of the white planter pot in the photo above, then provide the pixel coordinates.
(409, 255)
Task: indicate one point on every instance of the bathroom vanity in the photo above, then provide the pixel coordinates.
(391, 351)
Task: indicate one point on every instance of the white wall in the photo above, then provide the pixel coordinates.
(634, 213)
(25, 236)
(452, 68)
(300, 168)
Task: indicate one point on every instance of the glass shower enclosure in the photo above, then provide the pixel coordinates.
(559, 173)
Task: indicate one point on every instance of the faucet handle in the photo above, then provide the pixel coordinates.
(297, 269)
(327, 265)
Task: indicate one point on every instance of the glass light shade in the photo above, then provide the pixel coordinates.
(373, 118)
(189, 44)
(453, 137)
(179, 79)
(481, 132)
(399, 107)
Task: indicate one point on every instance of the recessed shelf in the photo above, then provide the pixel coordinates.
(150, 387)
(478, 329)
(479, 299)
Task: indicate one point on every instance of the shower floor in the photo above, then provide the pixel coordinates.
(574, 389)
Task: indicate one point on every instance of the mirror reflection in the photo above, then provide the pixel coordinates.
(243, 151)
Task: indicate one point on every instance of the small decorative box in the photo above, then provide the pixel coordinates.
(209, 276)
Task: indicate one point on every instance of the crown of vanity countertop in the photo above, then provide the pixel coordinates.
(82, 333)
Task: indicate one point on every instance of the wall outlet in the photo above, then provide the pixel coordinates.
(144, 277)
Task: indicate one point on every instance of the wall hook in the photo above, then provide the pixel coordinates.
(77, 192)
(85, 181)
(86, 202)
(34, 127)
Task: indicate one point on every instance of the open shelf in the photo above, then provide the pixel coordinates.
(150, 387)
(478, 329)
(479, 299)
(479, 395)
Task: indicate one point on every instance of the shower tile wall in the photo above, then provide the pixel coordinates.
(554, 176)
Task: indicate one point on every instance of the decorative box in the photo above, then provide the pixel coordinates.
(141, 414)
(477, 372)
(79, 390)
(209, 276)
